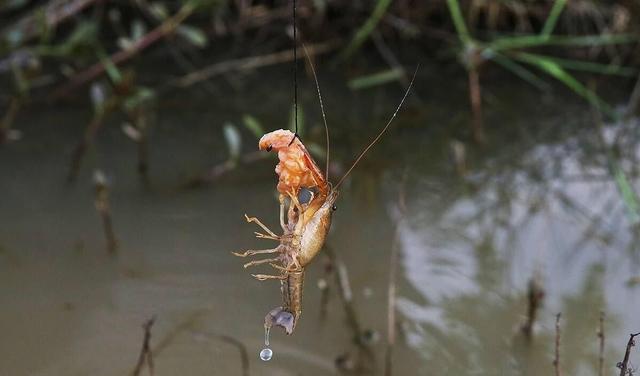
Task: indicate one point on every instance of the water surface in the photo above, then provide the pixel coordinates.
(538, 201)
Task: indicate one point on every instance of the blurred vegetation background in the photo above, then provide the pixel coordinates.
(126, 54)
(123, 58)
(50, 50)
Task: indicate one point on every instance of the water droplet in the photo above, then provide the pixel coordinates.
(267, 329)
(266, 354)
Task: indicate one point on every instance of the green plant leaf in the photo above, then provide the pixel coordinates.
(159, 10)
(629, 196)
(234, 140)
(141, 95)
(552, 20)
(112, 70)
(556, 71)
(458, 22)
(520, 71)
(527, 41)
(586, 66)
(138, 30)
(362, 34)
(193, 35)
(376, 79)
(252, 124)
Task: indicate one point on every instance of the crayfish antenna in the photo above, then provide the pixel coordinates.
(406, 93)
(324, 117)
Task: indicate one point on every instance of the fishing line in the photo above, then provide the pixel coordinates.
(295, 75)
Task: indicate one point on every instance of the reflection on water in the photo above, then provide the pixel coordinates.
(537, 202)
(550, 212)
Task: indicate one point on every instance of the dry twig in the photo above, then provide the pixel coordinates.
(103, 208)
(393, 266)
(53, 13)
(88, 137)
(556, 359)
(475, 97)
(216, 172)
(96, 70)
(146, 355)
(601, 352)
(248, 63)
(535, 297)
(624, 365)
(363, 357)
(7, 120)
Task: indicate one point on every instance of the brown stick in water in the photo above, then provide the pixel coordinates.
(103, 208)
(7, 120)
(146, 355)
(624, 365)
(475, 96)
(391, 289)
(601, 352)
(556, 359)
(535, 297)
(248, 63)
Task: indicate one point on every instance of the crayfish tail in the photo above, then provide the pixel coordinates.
(280, 317)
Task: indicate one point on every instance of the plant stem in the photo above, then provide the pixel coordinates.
(475, 97)
(367, 28)
(458, 22)
(552, 20)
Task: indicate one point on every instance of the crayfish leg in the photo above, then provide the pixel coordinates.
(259, 262)
(290, 269)
(263, 236)
(252, 252)
(264, 277)
(262, 225)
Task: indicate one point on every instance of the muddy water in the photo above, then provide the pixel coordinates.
(537, 202)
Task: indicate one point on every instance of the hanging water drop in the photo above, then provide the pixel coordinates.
(266, 354)
(267, 330)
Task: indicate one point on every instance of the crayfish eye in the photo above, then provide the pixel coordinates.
(305, 195)
(269, 147)
(334, 208)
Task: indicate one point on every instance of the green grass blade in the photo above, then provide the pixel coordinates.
(556, 71)
(629, 196)
(520, 71)
(528, 41)
(458, 22)
(367, 28)
(586, 66)
(252, 124)
(112, 70)
(552, 20)
(376, 79)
